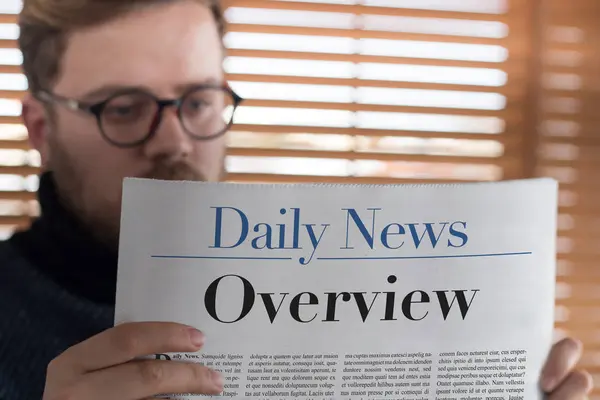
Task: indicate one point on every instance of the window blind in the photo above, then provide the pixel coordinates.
(18, 164)
(569, 150)
(381, 91)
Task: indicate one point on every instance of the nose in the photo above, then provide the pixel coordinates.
(170, 142)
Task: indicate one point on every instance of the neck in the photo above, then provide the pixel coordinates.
(63, 248)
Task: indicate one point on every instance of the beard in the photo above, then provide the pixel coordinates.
(87, 201)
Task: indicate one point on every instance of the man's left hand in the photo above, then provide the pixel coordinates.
(561, 380)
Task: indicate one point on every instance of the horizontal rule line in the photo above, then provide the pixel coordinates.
(524, 253)
(191, 257)
(222, 258)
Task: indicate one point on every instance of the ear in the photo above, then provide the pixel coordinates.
(37, 124)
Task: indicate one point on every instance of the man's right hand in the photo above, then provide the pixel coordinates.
(107, 366)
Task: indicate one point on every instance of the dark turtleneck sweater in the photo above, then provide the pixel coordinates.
(57, 288)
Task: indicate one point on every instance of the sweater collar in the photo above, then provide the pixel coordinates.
(65, 250)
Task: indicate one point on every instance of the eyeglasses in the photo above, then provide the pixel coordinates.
(130, 118)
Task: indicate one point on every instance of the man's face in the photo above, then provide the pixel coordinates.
(164, 49)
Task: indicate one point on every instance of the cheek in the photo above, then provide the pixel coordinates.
(99, 165)
(87, 147)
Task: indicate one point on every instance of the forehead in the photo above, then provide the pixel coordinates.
(161, 47)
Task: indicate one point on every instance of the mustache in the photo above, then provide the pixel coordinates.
(178, 171)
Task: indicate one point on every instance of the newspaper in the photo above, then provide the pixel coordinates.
(348, 291)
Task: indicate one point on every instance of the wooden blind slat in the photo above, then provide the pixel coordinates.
(275, 178)
(579, 259)
(365, 34)
(10, 120)
(10, 69)
(348, 155)
(504, 113)
(18, 195)
(583, 139)
(14, 144)
(513, 66)
(513, 89)
(19, 170)
(20, 221)
(8, 44)
(581, 117)
(505, 138)
(11, 94)
(8, 19)
(578, 278)
(362, 9)
(585, 163)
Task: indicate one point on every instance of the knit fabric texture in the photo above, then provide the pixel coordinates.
(38, 321)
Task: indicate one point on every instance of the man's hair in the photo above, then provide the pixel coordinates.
(45, 26)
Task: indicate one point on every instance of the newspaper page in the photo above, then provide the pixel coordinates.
(408, 292)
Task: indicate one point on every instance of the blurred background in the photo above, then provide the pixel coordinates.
(380, 91)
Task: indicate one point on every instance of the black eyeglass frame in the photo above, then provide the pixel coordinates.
(96, 109)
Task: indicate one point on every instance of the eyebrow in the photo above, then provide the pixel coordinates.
(107, 90)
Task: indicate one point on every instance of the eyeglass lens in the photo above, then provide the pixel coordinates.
(204, 113)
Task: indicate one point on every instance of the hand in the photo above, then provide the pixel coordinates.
(560, 379)
(103, 367)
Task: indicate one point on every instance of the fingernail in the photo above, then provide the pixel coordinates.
(218, 379)
(196, 337)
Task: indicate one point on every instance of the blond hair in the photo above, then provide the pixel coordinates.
(46, 24)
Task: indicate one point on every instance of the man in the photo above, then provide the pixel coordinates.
(96, 70)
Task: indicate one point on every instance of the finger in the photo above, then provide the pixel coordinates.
(143, 379)
(576, 386)
(129, 341)
(561, 361)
